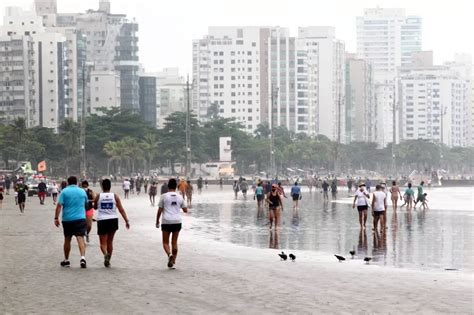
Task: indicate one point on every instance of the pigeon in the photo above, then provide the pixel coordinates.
(340, 258)
(352, 252)
(283, 256)
(367, 259)
(292, 257)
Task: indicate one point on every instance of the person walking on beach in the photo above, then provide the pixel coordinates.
(295, 195)
(395, 193)
(325, 187)
(236, 188)
(21, 189)
(244, 186)
(1, 196)
(145, 185)
(72, 201)
(189, 193)
(259, 195)
(206, 183)
(281, 190)
(152, 193)
(275, 205)
(221, 183)
(54, 192)
(138, 186)
(182, 186)
(361, 199)
(107, 204)
(379, 207)
(89, 207)
(164, 188)
(199, 184)
(419, 198)
(8, 183)
(409, 195)
(126, 188)
(170, 206)
(368, 183)
(334, 189)
(42, 188)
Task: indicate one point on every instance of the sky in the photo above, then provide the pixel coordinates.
(167, 28)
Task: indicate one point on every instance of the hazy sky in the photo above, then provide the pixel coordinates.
(168, 27)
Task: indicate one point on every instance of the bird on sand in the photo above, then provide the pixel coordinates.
(352, 252)
(367, 259)
(283, 256)
(292, 257)
(340, 258)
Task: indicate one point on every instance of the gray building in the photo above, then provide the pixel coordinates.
(147, 86)
(360, 100)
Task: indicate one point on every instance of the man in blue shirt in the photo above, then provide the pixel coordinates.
(72, 201)
(296, 194)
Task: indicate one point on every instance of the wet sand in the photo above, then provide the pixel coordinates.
(211, 276)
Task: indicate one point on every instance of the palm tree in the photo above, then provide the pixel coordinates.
(149, 146)
(18, 131)
(114, 150)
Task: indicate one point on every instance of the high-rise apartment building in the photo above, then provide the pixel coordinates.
(360, 100)
(228, 69)
(262, 74)
(112, 45)
(148, 98)
(387, 38)
(49, 53)
(433, 105)
(104, 90)
(171, 94)
(320, 83)
(17, 79)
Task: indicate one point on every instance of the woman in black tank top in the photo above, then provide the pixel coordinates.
(274, 204)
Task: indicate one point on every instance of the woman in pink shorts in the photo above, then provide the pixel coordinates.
(90, 207)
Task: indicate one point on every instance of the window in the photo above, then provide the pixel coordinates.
(96, 79)
(96, 99)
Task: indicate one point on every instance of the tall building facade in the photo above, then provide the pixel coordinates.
(148, 98)
(228, 66)
(104, 91)
(360, 101)
(320, 83)
(112, 45)
(17, 79)
(171, 94)
(49, 53)
(433, 105)
(387, 38)
(263, 75)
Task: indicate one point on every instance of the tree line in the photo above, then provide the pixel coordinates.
(121, 141)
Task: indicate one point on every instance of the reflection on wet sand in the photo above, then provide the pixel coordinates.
(436, 238)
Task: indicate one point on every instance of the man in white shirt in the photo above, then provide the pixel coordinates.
(361, 199)
(379, 207)
(126, 187)
(170, 206)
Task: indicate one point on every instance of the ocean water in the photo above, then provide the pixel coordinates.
(438, 238)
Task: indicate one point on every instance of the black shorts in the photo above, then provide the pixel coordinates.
(295, 197)
(107, 226)
(379, 213)
(21, 198)
(260, 197)
(362, 208)
(75, 228)
(171, 227)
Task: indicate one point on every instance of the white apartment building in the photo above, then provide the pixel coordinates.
(320, 83)
(104, 90)
(227, 74)
(171, 95)
(387, 39)
(49, 54)
(433, 105)
(360, 100)
(17, 83)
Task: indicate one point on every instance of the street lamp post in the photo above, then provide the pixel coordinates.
(82, 138)
(272, 135)
(188, 130)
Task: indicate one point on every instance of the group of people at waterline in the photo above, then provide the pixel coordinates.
(75, 202)
(79, 204)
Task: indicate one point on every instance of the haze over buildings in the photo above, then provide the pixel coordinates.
(58, 65)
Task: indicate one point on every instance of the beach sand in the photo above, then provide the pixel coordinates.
(211, 276)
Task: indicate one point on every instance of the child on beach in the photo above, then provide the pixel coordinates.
(424, 201)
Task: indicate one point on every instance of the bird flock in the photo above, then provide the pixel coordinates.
(340, 258)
